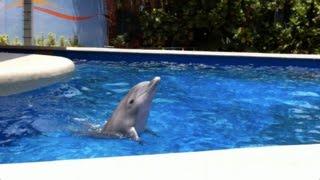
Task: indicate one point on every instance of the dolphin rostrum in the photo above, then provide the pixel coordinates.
(130, 117)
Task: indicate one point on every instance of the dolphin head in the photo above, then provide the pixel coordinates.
(138, 100)
(133, 110)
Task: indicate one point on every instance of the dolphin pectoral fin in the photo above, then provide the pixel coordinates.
(133, 134)
(147, 130)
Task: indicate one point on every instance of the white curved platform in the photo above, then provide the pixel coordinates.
(300, 162)
(23, 72)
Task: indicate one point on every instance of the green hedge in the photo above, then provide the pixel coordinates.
(50, 40)
(4, 40)
(284, 26)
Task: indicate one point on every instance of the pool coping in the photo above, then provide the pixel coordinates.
(78, 54)
(165, 52)
(197, 53)
(298, 162)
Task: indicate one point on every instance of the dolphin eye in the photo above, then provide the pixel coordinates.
(131, 101)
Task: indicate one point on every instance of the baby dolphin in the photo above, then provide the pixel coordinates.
(130, 117)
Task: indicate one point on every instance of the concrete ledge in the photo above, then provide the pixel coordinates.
(22, 72)
(197, 53)
(186, 57)
(300, 162)
(168, 52)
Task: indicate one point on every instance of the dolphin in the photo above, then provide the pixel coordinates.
(131, 115)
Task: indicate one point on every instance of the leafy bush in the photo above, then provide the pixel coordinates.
(4, 39)
(74, 42)
(63, 42)
(51, 40)
(285, 26)
(120, 41)
(40, 41)
(16, 42)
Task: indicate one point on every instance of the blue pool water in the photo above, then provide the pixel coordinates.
(197, 107)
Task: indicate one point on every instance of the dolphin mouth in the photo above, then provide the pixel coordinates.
(153, 84)
(151, 87)
(154, 81)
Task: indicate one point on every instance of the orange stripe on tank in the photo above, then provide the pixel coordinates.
(62, 16)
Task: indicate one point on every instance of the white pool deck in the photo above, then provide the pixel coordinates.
(300, 162)
(278, 162)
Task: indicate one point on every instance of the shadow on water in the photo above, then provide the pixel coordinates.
(26, 115)
(292, 125)
(16, 123)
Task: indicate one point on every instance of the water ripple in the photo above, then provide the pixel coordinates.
(197, 107)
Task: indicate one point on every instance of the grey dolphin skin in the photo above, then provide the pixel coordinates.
(130, 117)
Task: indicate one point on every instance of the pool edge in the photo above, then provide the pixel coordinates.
(167, 52)
(274, 162)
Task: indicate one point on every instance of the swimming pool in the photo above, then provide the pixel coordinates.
(198, 107)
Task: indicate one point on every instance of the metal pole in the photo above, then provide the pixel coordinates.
(107, 4)
(105, 9)
(27, 22)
